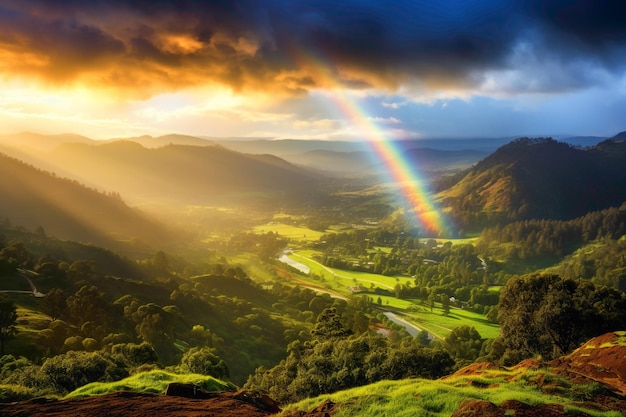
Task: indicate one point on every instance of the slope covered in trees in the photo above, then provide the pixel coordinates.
(537, 179)
(64, 208)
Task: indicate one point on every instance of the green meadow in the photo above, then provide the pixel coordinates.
(295, 233)
(440, 325)
(343, 278)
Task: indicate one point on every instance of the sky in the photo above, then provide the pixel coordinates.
(290, 68)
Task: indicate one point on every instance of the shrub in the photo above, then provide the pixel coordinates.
(74, 369)
(203, 361)
(136, 354)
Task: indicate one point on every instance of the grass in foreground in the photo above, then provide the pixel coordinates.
(419, 397)
(153, 382)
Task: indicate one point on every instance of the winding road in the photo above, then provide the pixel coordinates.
(33, 290)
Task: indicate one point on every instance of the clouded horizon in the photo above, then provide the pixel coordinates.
(279, 68)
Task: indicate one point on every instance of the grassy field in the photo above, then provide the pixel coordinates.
(462, 241)
(29, 325)
(154, 382)
(438, 324)
(257, 270)
(296, 233)
(435, 322)
(344, 278)
(441, 398)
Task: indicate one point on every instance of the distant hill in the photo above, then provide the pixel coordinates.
(365, 163)
(287, 147)
(619, 136)
(333, 162)
(36, 141)
(539, 178)
(67, 209)
(582, 141)
(156, 142)
(428, 159)
(180, 174)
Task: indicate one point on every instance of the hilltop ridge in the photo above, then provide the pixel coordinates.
(538, 178)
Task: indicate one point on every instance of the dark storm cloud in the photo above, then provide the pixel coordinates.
(595, 23)
(247, 44)
(581, 31)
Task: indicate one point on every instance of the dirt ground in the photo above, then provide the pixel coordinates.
(602, 359)
(125, 404)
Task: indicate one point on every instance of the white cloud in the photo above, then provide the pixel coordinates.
(393, 105)
(384, 120)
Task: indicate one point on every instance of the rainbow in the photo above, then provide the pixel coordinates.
(430, 219)
(398, 167)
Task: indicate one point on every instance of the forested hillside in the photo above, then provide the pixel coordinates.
(64, 208)
(537, 179)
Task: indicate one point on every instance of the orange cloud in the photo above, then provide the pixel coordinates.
(138, 48)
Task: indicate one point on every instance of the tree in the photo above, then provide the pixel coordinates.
(445, 304)
(423, 338)
(160, 263)
(156, 326)
(329, 325)
(89, 304)
(16, 254)
(431, 300)
(136, 354)
(463, 344)
(8, 319)
(550, 316)
(203, 361)
(75, 369)
(55, 303)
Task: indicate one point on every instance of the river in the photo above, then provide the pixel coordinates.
(411, 328)
(294, 264)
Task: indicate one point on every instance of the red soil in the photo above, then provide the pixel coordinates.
(474, 369)
(474, 408)
(601, 359)
(125, 404)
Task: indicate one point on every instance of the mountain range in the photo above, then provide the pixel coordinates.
(525, 178)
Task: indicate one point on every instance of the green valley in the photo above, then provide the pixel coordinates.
(306, 299)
